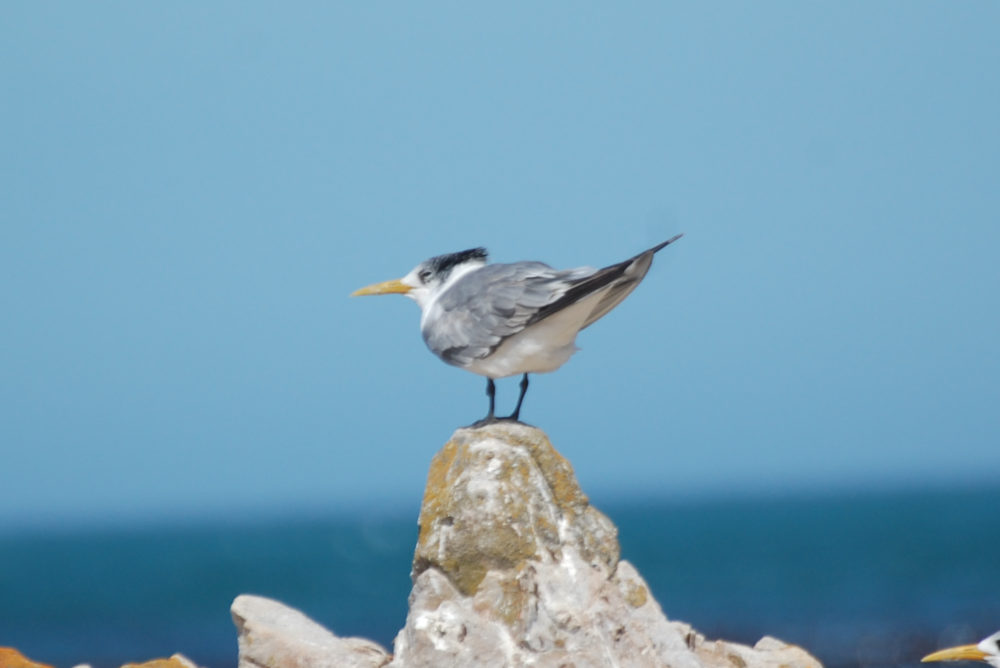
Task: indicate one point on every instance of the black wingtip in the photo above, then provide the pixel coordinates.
(667, 242)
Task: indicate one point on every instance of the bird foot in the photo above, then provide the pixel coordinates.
(492, 419)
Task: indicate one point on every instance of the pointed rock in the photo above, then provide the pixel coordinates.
(514, 567)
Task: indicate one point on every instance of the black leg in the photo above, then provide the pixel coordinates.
(517, 410)
(491, 392)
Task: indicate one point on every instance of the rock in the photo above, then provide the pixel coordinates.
(514, 567)
(272, 635)
(767, 653)
(11, 658)
(175, 661)
(497, 498)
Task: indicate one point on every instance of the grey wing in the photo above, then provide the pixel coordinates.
(485, 307)
(615, 282)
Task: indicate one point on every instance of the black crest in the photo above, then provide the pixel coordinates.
(442, 264)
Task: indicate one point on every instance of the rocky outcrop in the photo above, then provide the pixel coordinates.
(514, 567)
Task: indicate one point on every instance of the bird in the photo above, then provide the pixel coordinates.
(504, 319)
(987, 651)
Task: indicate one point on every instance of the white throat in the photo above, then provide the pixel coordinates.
(426, 298)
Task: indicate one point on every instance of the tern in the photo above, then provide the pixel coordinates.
(987, 651)
(500, 320)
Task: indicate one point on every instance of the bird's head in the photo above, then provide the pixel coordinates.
(429, 278)
(987, 651)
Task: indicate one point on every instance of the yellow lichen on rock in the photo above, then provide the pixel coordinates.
(436, 491)
(453, 536)
(636, 594)
(494, 497)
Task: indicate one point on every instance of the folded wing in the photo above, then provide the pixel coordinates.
(476, 314)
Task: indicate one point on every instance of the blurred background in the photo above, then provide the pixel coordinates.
(793, 421)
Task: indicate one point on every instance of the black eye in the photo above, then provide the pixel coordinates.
(424, 276)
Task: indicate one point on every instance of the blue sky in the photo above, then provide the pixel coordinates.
(192, 190)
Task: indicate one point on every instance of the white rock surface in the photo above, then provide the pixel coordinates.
(272, 635)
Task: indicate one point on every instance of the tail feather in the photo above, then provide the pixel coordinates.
(626, 276)
(666, 243)
(622, 277)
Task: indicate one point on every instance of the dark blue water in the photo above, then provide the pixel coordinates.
(859, 580)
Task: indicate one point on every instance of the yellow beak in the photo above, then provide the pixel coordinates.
(393, 287)
(962, 653)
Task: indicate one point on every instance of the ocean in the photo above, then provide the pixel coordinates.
(859, 579)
